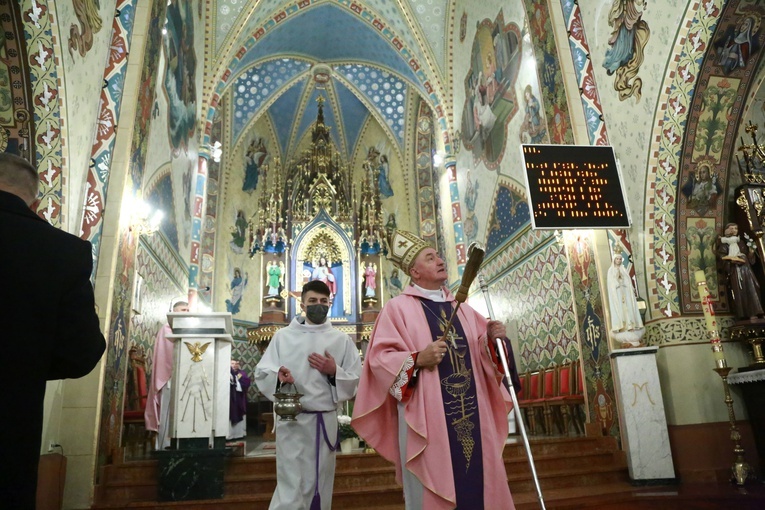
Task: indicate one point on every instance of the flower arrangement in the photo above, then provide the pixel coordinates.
(344, 427)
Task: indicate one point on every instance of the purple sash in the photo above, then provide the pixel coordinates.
(458, 391)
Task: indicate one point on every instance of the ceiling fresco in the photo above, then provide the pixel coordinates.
(431, 19)
(327, 34)
(283, 89)
(368, 45)
(256, 86)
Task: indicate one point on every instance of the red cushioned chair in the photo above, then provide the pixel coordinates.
(575, 402)
(559, 404)
(135, 438)
(532, 399)
(548, 392)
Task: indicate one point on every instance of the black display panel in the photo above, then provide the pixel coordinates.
(574, 186)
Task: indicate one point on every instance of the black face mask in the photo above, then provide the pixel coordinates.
(317, 313)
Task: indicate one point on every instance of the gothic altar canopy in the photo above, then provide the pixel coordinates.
(314, 222)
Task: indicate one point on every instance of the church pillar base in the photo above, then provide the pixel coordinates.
(191, 473)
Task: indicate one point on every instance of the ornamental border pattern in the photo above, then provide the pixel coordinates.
(105, 135)
(678, 330)
(423, 163)
(514, 251)
(43, 62)
(585, 77)
(666, 148)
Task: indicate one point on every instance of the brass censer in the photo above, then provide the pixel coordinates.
(287, 405)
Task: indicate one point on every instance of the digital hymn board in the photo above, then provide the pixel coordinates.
(574, 186)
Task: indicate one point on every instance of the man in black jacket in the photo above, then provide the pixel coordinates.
(48, 324)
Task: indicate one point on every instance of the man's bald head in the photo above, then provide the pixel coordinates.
(18, 176)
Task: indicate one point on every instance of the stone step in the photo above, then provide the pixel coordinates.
(596, 475)
(560, 446)
(384, 498)
(363, 479)
(551, 463)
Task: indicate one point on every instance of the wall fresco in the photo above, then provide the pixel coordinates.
(490, 101)
(596, 363)
(180, 76)
(627, 43)
(510, 213)
(536, 293)
(556, 110)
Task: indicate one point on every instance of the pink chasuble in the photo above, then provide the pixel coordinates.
(161, 372)
(401, 330)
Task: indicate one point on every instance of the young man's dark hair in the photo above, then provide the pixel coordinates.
(316, 286)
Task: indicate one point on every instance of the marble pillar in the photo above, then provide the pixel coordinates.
(641, 412)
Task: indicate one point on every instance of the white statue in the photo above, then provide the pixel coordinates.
(626, 324)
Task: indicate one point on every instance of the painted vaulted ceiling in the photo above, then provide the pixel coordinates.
(270, 48)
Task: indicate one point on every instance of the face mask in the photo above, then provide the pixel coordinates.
(317, 313)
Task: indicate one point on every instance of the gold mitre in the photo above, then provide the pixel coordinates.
(404, 248)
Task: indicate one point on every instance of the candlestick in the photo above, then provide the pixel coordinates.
(740, 469)
(709, 316)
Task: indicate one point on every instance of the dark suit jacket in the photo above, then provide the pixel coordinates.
(48, 330)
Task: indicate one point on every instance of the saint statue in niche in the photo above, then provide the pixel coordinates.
(275, 277)
(370, 281)
(332, 275)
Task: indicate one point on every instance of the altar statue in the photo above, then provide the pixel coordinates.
(324, 273)
(737, 260)
(275, 273)
(370, 275)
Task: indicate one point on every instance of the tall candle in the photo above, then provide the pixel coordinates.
(709, 316)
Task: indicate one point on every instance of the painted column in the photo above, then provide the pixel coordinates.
(454, 196)
(580, 53)
(197, 216)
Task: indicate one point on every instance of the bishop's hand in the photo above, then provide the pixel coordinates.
(431, 355)
(495, 329)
